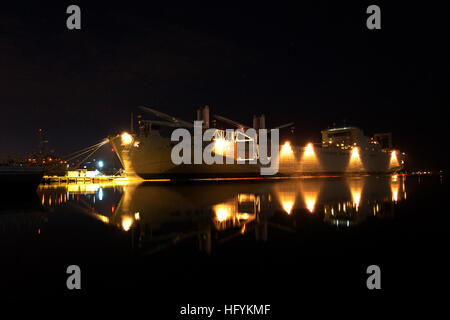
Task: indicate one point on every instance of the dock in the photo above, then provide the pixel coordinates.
(81, 179)
(81, 176)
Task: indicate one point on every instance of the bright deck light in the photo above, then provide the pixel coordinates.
(355, 164)
(355, 154)
(309, 161)
(286, 149)
(394, 159)
(309, 150)
(126, 138)
(220, 146)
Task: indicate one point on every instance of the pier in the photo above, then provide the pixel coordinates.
(81, 176)
(69, 179)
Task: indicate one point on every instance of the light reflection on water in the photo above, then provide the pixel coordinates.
(162, 215)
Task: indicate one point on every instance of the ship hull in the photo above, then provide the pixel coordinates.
(338, 161)
(149, 157)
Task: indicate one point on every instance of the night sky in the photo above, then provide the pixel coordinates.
(313, 63)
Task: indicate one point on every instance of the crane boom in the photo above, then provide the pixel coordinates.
(165, 116)
(232, 122)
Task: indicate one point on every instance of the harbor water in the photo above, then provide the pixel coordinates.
(225, 239)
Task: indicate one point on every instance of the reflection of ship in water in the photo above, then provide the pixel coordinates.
(164, 215)
(364, 197)
(159, 216)
(237, 211)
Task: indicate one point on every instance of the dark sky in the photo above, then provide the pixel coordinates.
(314, 63)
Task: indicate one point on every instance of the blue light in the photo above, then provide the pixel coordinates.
(100, 164)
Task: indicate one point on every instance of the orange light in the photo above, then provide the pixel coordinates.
(356, 195)
(309, 161)
(310, 191)
(287, 206)
(355, 154)
(356, 188)
(286, 149)
(395, 186)
(223, 212)
(310, 202)
(126, 138)
(394, 160)
(309, 150)
(127, 222)
(221, 146)
(355, 163)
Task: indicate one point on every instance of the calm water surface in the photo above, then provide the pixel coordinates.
(320, 232)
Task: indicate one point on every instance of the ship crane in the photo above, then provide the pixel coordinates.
(168, 124)
(258, 123)
(289, 124)
(232, 122)
(89, 151)
(243, 126)
(170, 120)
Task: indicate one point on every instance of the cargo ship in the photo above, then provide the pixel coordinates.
(146, 153)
